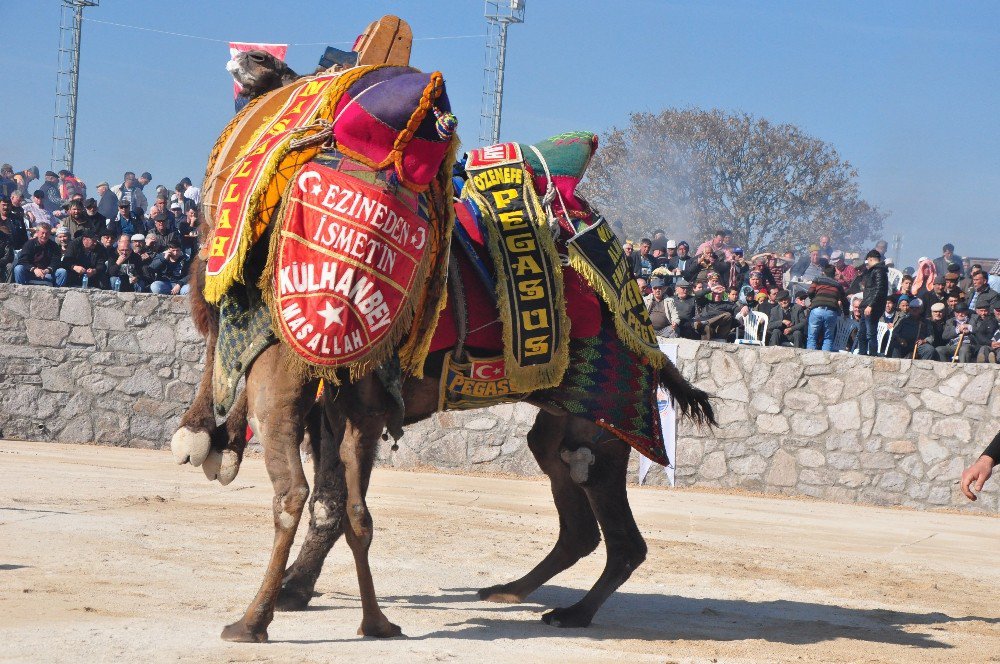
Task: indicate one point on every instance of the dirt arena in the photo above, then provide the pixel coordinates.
(119, 555)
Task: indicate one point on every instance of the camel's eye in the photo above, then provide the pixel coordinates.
(257, 57)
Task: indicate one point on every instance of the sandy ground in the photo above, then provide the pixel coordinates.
(119, 555)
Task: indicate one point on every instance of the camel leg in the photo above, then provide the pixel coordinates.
(367, 403)
(277, 403)
(192, 441)
(605, 488)
(326, 508)
(578, 531)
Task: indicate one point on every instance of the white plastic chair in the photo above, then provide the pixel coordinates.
(754, 329)
(844, 328)
(895, 279)
(884, 337)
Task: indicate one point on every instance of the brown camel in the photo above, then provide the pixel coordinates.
(280, 409)
(586, 466)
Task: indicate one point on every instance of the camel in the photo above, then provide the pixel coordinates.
(586, 466)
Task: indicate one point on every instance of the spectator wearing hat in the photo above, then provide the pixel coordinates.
(39, 259)
(50, 189)
(829, 302)
(935, 327)
(24, 179)
(7, 183)
(808, 267)
(875, 289)
(84, 257)
(35, 212)
(957, 336)
(169, 272)
(92, 216)
(662, 312)
(164, 234)
(146, 253)
(687, 308)
(935, 295)
(943, 263)
(62, 238)
(844, 273)
(125, 267)
(902, 309)
(125, 222)
(107, 202)
(909, 336)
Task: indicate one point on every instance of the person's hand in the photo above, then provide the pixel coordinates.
(121, 257)
(78, 269)
(90, 272)
(995, 344)
(975, 476)
(39, 272)
(176, 289)
(868, 311)
(787, 332)
(132, 280)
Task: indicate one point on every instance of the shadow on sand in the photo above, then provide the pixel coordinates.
(653, 617)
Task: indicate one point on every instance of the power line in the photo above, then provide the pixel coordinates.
(226, 41)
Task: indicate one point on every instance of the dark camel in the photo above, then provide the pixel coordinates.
(344, 429)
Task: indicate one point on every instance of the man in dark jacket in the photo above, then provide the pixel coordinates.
(125, 222)
(947, 258)
(909, 335)
(957, 335)
(682, 265)
(981, 293)
(875, 291)
(124, 268)
(779, 325)
(687, 309)
(717, 316)
(800, 319)
(39, 258)
(84, 258)
(169, 271)
(984, 326)
(829, 302)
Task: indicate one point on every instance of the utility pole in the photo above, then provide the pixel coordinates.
(499, 15)
(67, 82)
(897, 249)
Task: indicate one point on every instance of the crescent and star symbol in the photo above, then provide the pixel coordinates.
(310, 175)
(331, 314)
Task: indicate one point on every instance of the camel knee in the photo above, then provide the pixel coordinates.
(290, 507)
(326, 514)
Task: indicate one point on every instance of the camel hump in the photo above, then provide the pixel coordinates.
(385, 41)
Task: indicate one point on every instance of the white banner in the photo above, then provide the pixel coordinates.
(668, 422)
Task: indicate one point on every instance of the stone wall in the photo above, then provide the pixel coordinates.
(119, 369)
(81, 366)
(828, 425)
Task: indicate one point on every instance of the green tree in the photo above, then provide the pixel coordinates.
(690, 171)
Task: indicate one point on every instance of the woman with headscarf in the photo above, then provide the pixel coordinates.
(923, 279)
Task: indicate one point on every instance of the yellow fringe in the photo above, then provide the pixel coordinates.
(528, 379)
(655, 356)
(266, 197)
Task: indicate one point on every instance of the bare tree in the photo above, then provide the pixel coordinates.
(691, 171)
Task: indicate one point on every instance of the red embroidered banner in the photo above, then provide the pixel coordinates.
(254, 170)
(349, 257)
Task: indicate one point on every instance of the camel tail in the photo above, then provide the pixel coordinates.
(689, 400)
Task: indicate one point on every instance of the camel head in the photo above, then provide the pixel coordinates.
(259, 72)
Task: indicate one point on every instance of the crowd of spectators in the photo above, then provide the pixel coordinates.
(54, 234)
(945, 309)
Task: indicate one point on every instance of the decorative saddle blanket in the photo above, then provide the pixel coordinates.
(358, 231)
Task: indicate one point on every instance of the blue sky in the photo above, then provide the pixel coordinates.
(907, 91)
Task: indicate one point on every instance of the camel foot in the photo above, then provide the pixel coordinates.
(292, 599)
(211, 465)
(379, 629)
(238, 632)
(190, 446)
(569, 617)
(500, 594)
(229, 468)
